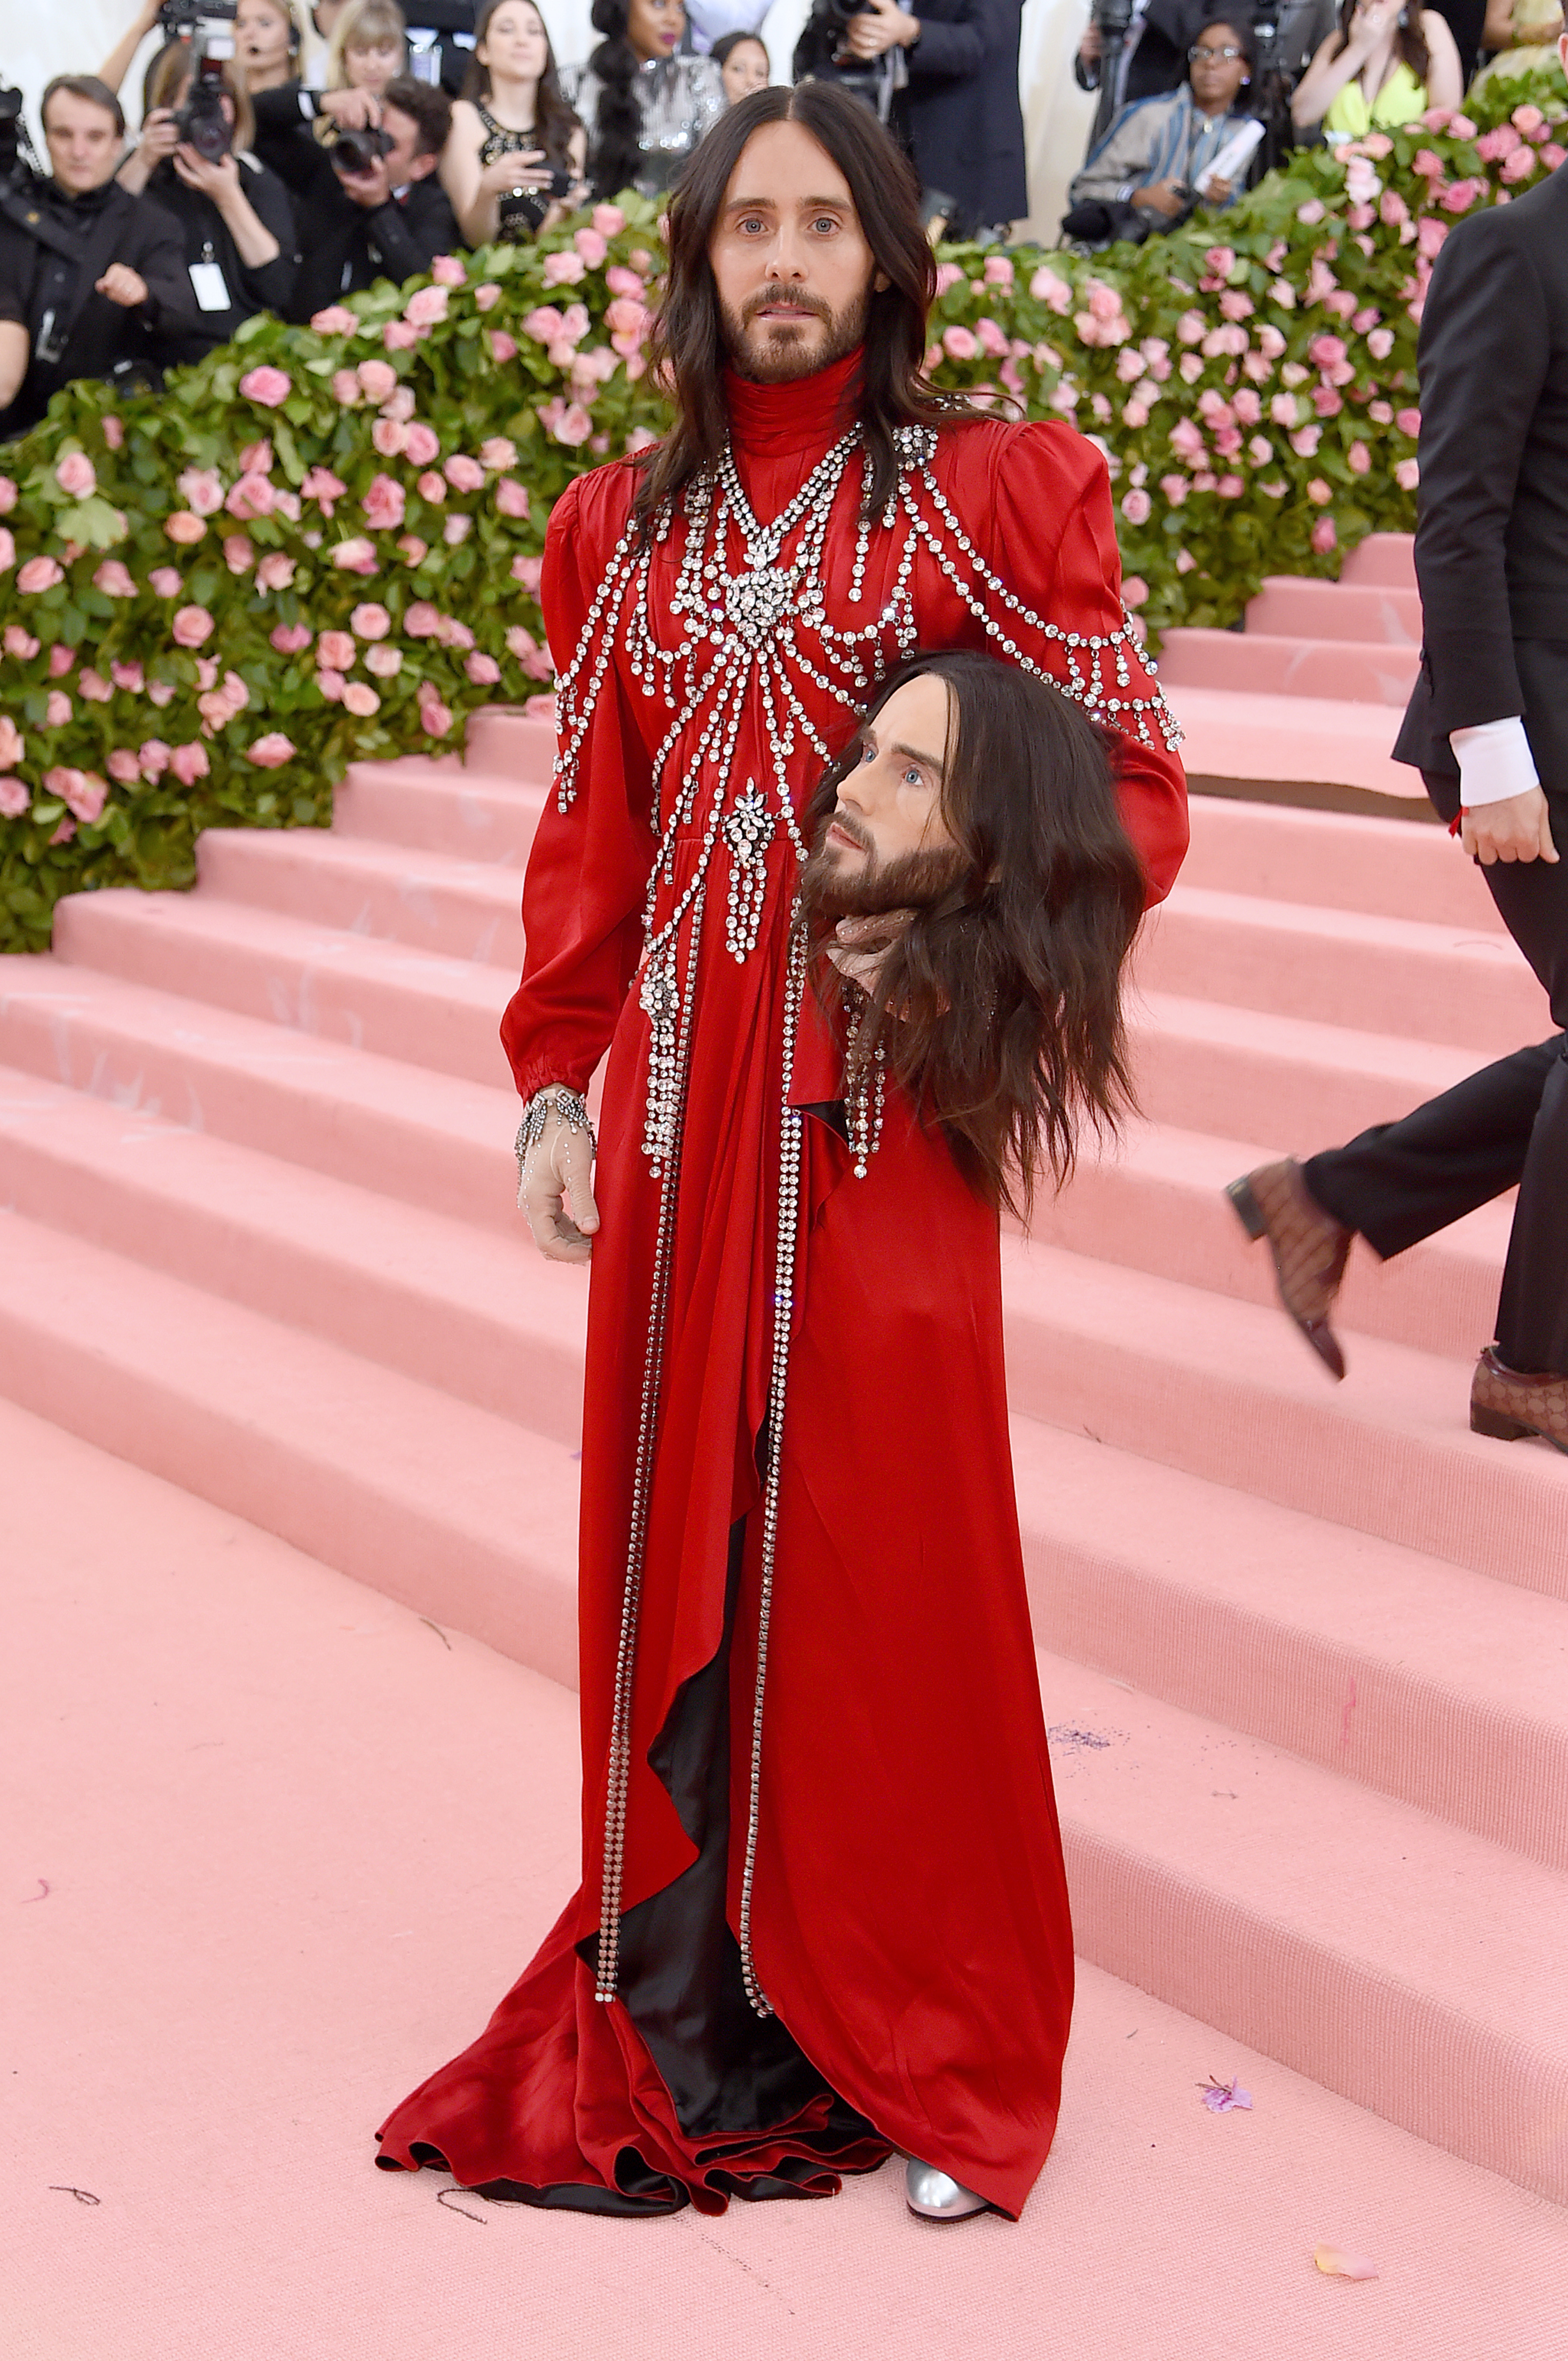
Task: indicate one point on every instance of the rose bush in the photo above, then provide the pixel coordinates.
(324, 543)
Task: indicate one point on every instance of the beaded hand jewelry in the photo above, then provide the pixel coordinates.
(570, 1107)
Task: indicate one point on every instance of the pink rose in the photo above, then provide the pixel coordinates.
(621, 281)
(481, 669)
(1327, 351)
(608, 220)
(335, 649)
(59, 709)
(1305, 441)
(291, 639)
(160, 692)
(503, 348)
(184, 527)
(272, 750)
(152, 757)
(384, 661)
(423, 619)
(1311, 212)
(239, 555)
(399, 335)
(426, 308)
(1234, 305)
(8, 553)
(1326, 402)
(127, 674)
(275, 572)
(207, 670)
(13, 745)
(960, 344)
(431, 486)
(354, 556)
(544, 323)
(124, 767)
(1136, 506)
(411, 550)
(454, 634)
(424, 444)
(378, 379)
(190, 764)
(399, 405)
(1407, 473)
(8, 494)
(1048, 287)
(253, 496)
(14, 799)
(95, 687)
(337, 320)
(512, 498)
(347, 389)
(322, 486)
(435, 719)
(1554, 157)
(360, 698)
(591, 246)
(114, 432)
(498, 453)
(39, 574)
(1408, 422)
(113, 579)
(255, 459)
(566, 270)
(1135, 591)
(528, 571)
(992, 339)
(384, 504)
(1359, 458)
(191, 627)
(20, 643)
(1518, 166)
(60, 659)
(464, 475)
(164, 581)
(389, 435)
(1324, 535)
(370, 622)
(520, 643)
(83, 792)
(487, 295)
(76, 474)
(456, 530)
(998, 271)
(1318, 492)
(1175, 490)
(267, 387)
(447, 271)
(1381, 343)
(332, 683)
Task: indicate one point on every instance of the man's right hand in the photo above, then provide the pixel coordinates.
(1167, 197)
(556, 1191)
(351, 110)
(1516, 829)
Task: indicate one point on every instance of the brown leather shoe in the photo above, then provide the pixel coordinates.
(1309, 1246)
(1511, 1403)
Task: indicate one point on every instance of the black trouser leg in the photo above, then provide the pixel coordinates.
(1508, 1125)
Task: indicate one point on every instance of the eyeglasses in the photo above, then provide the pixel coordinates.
(1212, 57)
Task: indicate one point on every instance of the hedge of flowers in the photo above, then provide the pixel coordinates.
(324, 543)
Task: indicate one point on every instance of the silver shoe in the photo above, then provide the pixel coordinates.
(937, 2196)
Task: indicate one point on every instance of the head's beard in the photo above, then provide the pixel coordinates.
(832, 888)
(776, 352)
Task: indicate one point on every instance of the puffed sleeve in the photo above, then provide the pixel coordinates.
(1074, 578)
(587, 873)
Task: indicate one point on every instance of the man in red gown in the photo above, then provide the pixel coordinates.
(882, 1957)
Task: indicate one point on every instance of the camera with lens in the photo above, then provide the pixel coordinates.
(182, 20)
(202, 122)
(359, 151)
(519, 213)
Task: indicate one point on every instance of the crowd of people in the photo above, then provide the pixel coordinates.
(258, 182)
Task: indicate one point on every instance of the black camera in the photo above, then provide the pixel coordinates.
(202, 122)
(359, 151)
(10, 133)
(519, 213)
(181, 20)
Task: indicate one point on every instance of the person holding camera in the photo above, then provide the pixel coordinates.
(514, 163)
(1153, 164)
(645, 107)
(1382, 66)
(959, 114)
(193, 157)
(92, 280)
(371, 207)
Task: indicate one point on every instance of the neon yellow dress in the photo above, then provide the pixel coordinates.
(1402, 99)
(1509, 65)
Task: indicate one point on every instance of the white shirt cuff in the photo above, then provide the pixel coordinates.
(1495, 762)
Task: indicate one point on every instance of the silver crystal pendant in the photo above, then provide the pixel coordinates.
(759, 601)
(747, 830)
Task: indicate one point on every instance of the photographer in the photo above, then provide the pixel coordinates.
(367, 51)
(192, 158)
(94, 277)
(369, 205)
(514, 165)
(1151, 55)
(1152, 167)
(960, 112)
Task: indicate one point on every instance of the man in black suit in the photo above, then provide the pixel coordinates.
(1487, 726)
(960, 112)
(388, 219)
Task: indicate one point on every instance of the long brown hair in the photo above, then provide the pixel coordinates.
(999, 1007)
(553, 120)
(688, 335)
(1410, 44)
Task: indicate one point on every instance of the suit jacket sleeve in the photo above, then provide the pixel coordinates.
(1484, 355)
(958, 40)
(587, 873)
(409, 236)
(1051, 471)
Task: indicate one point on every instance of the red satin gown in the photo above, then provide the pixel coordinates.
(909, 1914)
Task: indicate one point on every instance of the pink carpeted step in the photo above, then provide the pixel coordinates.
(459, 1513)
(467, 814)
(460, 909)
(402, 1003)
(1231, 1392)
(1386, 558)
(483, 1317)
(513, 742)
(1268, 744)
(1206, 1067)
(1420, 1679)
(1337, 860)
(1372, 673)
(425, 1138)
(1157, 1202)
(1404, 976)
(1366, 613)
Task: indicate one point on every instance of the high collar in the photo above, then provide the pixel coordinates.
(806, 413)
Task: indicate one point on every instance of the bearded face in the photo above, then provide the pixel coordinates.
(846, 877)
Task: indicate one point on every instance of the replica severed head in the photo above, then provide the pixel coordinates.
(971, 877)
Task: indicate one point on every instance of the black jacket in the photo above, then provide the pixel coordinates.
(108, 224)
(343, 246)
(962, 109)
(267, 288)
(1492, 524)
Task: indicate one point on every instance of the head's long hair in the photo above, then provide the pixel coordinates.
(615, 135)
(688, 335)
(999, 1008)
